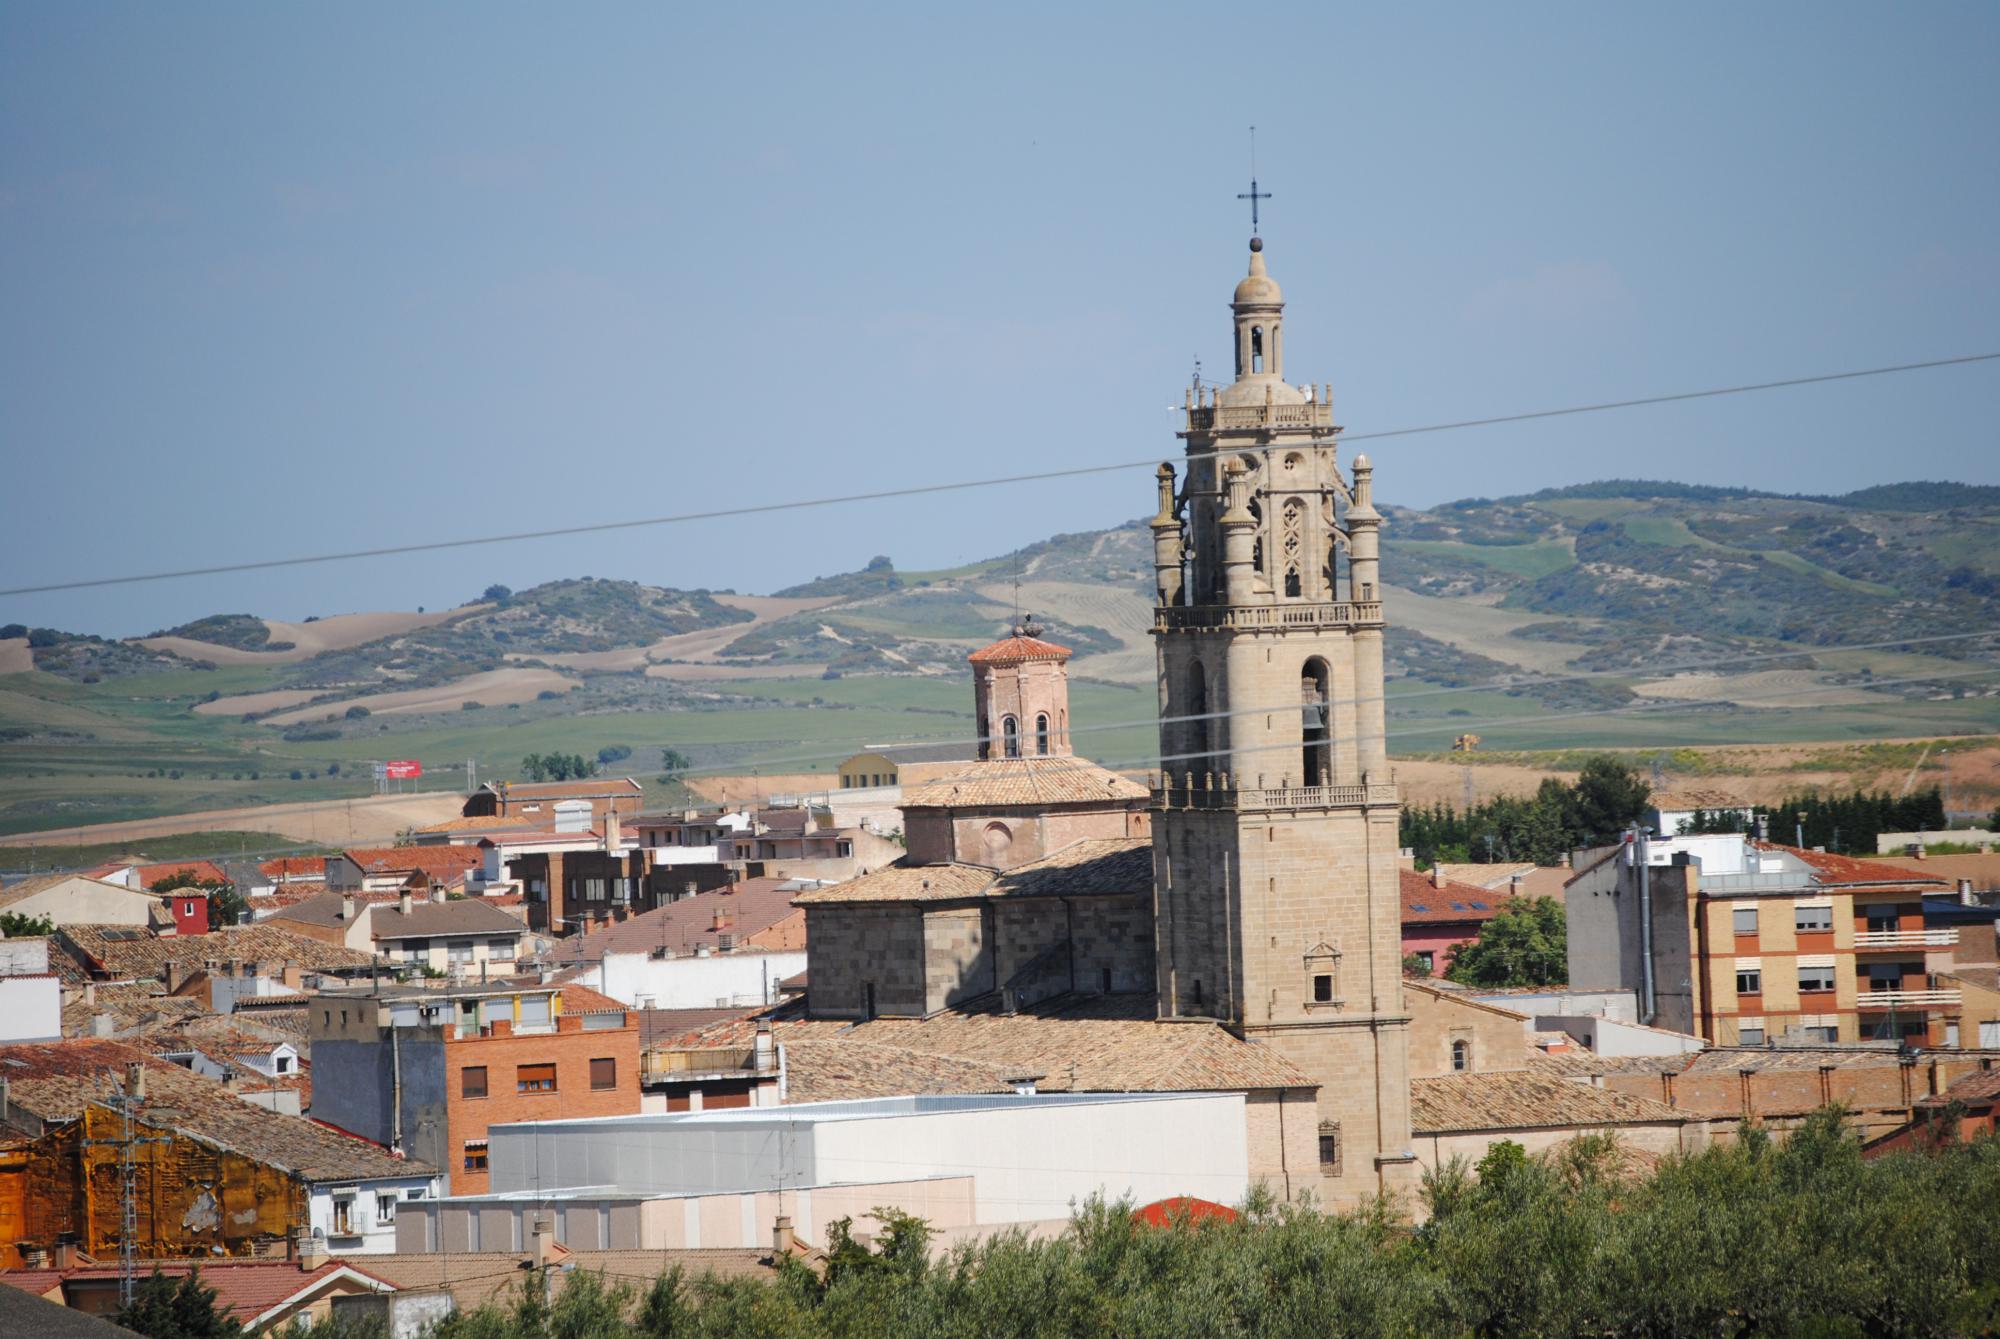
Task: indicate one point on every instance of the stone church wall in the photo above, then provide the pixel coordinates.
(854, 946)
(958, 963)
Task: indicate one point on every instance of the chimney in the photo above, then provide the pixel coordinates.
(90, 992)
(309, 1249)
(102, 1025)
(175, 974)
(403, 902)
(613, 839)
(763, 1052)
(437, 892)
(545, 1240)
(347, 906)
(135, 1080)
(781, 1236)
(1437, 875)
(1965, 897)
(66, 1251)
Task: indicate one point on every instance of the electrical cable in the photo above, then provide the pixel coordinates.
(922, 490)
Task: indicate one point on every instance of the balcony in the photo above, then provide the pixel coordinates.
(1879, 939)
(1236, 617)
(1908, 999)
(1223, 418)
(674, 1066)
(1207, 792)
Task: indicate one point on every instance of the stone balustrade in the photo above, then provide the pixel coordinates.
(1249, 617)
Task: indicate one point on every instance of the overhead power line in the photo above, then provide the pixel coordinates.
(923, 490)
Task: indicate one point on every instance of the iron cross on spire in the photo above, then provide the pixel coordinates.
(1253, 195)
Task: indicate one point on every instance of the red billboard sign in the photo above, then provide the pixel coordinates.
(402, 771)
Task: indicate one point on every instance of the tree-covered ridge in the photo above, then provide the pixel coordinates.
(1804, 1238)
(245, 632)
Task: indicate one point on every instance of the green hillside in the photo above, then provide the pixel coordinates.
(1495, 605)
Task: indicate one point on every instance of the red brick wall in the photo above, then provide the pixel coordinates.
(570, 1048)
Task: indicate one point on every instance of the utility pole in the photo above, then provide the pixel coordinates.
(128, 1187)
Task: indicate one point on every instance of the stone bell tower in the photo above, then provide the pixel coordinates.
(1277, 906)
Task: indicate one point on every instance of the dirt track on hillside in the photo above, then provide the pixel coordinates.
(494, 688)
(15, 657)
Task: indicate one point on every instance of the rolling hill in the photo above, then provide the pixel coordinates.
(1495, 605)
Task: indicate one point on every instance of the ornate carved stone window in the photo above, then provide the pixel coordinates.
(1329, 1147)
(1322, 965)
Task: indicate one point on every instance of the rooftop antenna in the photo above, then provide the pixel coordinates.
(1253, 195)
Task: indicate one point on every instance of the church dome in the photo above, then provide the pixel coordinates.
(1258, 289)
(1250, 391)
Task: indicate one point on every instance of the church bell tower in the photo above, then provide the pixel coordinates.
(1277, 907)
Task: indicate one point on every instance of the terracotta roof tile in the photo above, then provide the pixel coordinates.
(247, 1288)
(129, 1007)
(1841, 869)
(148, 875)
(755, 908)
(1018, 650)
(839, 1071)
(433, 861)
(1530, 1099)
(1021, 782)
(56, 1080)
(1105, 1043)
(1096, 865)
(307, 867)
(904, 883)
(1424, 903)
(123, 952)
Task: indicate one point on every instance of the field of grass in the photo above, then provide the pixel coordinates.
(1527, 561)
(181, 846)
(1588, 509)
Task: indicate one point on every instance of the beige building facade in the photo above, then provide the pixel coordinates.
(1274, 831)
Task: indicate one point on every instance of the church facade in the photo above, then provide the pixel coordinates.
(1254, 888)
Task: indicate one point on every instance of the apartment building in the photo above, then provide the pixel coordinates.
(1741, 942)
(426, 1071)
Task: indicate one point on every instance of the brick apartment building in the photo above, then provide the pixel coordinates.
(427, 1071)
(1741, 941)
(536, 800)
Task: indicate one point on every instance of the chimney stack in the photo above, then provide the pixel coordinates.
(66, 1251)
(347, 907)
(763, 1046)
(613, 839)
(309, 1250)
(135, 1080)
(1437, 875)
(437, 892)
(403, 902)
(545, 1240)
(781, 1236)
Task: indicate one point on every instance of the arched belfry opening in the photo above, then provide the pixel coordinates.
(1010, 736)
(1042, 734)
(1316, 720)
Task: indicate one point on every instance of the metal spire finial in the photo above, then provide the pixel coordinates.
(1253, 195)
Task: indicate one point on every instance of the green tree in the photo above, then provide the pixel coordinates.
(225, 905)
(15, 925)
(674, 764)
(1610, 796)
(1525, 944)
(182, 1308)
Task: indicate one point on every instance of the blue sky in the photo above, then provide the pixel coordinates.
(278, 280)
